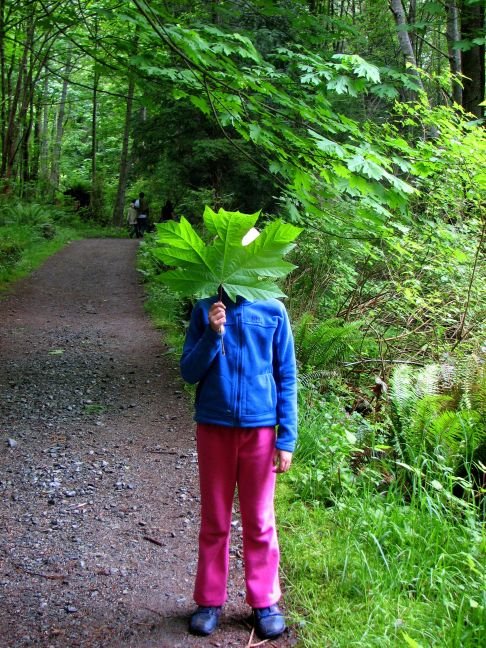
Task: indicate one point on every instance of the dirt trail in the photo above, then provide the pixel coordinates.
(98, 475)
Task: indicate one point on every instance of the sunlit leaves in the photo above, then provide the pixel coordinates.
(280, 104)
(202, 269)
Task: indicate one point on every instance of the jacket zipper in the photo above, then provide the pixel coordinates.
(239, 368)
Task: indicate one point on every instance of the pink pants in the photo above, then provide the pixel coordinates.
(243, 457)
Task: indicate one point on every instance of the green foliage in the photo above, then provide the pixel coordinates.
(364, 566)
(325, 344)
(327, 440)
(420, 291)
(277, 110)
(24, 214)
(242, 270)
(10, 252)
(302, 108)
(371, 570)
(434, 414)
(167, 313)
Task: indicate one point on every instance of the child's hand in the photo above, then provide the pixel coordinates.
(282, 460)
(217, 317)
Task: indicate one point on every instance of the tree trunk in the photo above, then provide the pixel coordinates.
(404, 39)
(411, 19)
(56, 150)
(316, 7)
(3, 85)
(96, 190)
(35, 156)
(25, 175)
(96, 198)
(44, 137)
(214, 12)
(453, 35)
(473, 59)
(19, 99)
(118, 210)
(26, 120)
(406, 47)
(94, 118)
(11, 133)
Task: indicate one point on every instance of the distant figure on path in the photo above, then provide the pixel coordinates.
(167, 212)
(142, 207)
(132, 220)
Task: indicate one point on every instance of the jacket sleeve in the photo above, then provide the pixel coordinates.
(285, 374)
(201, 346)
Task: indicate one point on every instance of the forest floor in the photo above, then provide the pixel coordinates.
(98, 471)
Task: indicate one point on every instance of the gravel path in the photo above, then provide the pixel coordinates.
(98, 474)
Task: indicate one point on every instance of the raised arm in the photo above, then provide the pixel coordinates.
(203, 341)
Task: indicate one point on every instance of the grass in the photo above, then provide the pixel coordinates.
(94, 408)
(374, 570)
(165, 311)
(164, 307)
(33, 250)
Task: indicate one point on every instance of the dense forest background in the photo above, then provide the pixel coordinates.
(363, 122)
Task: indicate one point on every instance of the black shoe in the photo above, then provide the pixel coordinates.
(205, 620)
(269, 622)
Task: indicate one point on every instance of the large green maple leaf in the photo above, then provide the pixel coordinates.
(202, 270)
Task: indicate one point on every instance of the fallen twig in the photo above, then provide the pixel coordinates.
(167, 452)
(259, 643)
(48, 576)
(144, 607)
(153, 540)
(251, 638)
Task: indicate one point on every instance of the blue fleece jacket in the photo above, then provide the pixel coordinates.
(254, 382)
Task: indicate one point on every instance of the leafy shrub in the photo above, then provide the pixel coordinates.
(327, 441)
(47, 230)
(325, 344)
(438, 415)
(10, 253)
(192, 203)
(22, 214)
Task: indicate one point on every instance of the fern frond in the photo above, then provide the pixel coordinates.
(424, 414)
(325, 344)
(440, 409)
(402, 391)
(427, 380)
(309, 379)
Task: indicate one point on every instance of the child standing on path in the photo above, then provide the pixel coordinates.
(242, 357)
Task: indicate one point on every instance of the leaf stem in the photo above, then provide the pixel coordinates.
(220, 297)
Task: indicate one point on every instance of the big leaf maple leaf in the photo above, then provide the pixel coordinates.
(203, 270)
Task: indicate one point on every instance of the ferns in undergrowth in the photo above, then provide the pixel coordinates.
(323, 345)
(439, 410)
(463, 379)
(23, 214)
(469, 379)
(38, 218)
(408, 385)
